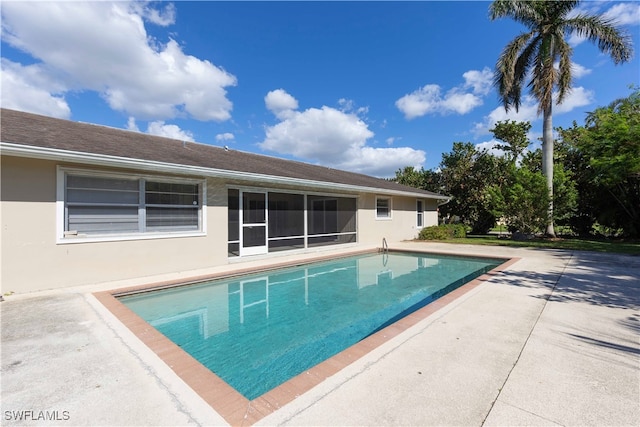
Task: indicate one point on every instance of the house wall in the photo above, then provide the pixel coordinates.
(401, 226)
(430, 212)
(32, 260)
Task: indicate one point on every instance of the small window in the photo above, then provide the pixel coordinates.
(419, 213)
(383, 207)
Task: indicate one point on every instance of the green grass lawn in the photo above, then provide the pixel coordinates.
(572, 243)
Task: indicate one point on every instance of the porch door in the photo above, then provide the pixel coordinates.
(254, 223)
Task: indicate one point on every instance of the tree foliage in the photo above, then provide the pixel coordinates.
(424, 179)
(514, 136)
(466, 172)
(606, 151)
(596, 181)
(522, 201)
(533, 56)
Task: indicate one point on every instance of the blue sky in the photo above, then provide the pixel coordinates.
(369, 87)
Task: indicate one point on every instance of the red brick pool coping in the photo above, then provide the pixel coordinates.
(225, 400)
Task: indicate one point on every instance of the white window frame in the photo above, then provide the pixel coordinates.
(389, 216)
(420, 213)
(62, 237)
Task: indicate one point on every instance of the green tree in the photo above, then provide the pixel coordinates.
(521, 200)
(580, 215)
(409, 176)
(535, 52)
(565, 195)
(424, 179)
(609, 146)
(466, 172)
(514, 135)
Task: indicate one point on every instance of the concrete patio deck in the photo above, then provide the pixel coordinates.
(552, 340)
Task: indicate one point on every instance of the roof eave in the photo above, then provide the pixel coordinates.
(35, 152)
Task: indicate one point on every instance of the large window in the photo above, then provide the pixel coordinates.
(96, 205)
(331, 220)
(286, 221)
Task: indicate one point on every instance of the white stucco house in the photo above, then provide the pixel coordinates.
(83, 204)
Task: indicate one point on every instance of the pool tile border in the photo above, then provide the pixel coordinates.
(225, 400)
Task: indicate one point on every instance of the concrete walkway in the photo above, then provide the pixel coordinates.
(553, 340)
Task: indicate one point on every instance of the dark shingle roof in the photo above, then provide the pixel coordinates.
(50, 133)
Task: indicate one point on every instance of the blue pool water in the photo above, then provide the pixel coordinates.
(258, 331)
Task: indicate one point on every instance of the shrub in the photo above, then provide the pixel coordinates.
(459, 230)
(443, 232)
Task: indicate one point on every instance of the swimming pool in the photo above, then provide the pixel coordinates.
(257, 331)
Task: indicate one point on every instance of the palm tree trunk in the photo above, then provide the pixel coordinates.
(547, 163)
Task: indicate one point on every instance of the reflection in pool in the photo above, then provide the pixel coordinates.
(258, 331)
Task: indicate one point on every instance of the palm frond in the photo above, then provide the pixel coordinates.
(565, 75)
(560, 9)
(506, 76)
(544, 74)
(521, 69)
(609, 39)
(535, 52)
(520, 11)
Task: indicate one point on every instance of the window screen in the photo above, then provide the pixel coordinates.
(96, 205)
(383, 207)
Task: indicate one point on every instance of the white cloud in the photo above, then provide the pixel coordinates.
(333, 138)
(381, 162)
(280, 103)
(528, 111)
(29, 88)
(346, 105)
(131, 124)
(225, 137)
(480, 81)
(349, 106)
(578, 97)
(104, 47)
(163, 18)
(460, 100)
(575, 39)
(578, 70)
(160, 128)
(460, 103)
(321, 134)
(620, 14)
(420, 102)
(490, 146)
(624, 13)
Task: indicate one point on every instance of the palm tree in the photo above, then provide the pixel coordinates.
(533, 55)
